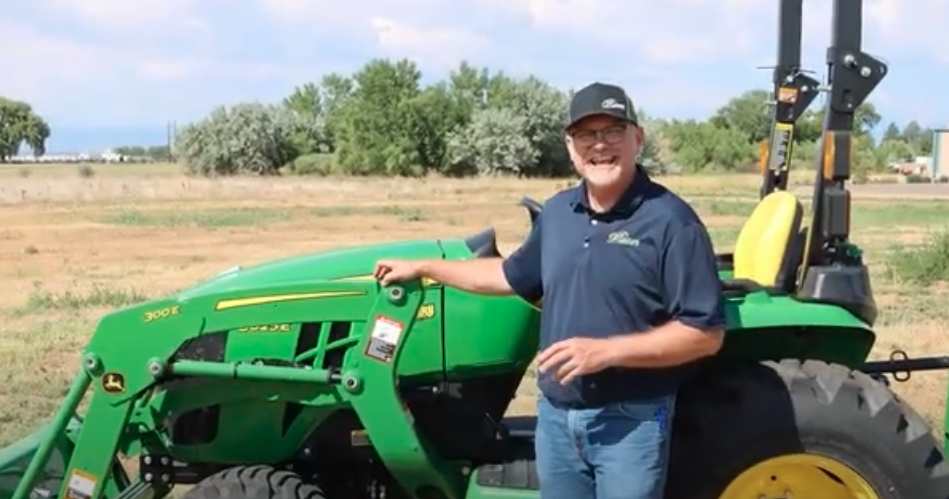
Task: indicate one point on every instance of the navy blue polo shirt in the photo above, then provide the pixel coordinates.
(645, 262)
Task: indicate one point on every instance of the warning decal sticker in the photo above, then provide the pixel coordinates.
(384, 338)
(81, 485)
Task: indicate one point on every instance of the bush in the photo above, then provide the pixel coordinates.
(313, 164)
(249, 138)
(915, 178)
(922, 265)
(86, 171)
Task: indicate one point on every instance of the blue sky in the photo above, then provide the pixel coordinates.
(109, 72)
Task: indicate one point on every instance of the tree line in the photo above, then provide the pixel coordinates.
(380, 120)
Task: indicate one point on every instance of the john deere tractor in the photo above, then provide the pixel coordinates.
(306, 379)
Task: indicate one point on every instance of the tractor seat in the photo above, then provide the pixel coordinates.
(484, 244)
(769, 247)
(533, 207)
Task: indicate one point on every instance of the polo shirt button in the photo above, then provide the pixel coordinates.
(594, 221)
(586, 245)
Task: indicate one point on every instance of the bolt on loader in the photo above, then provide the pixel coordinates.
(304, 378)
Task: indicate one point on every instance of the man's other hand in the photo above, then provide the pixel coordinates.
(393, 271)
(575, 357)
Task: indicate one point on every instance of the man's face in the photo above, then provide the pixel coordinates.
(603, 149)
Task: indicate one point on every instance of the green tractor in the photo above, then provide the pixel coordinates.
(305, 379)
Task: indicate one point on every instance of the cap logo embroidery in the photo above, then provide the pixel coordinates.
(612, 104)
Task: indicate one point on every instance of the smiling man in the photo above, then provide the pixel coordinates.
(631, 298)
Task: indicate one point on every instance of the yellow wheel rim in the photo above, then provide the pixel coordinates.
(799, 476)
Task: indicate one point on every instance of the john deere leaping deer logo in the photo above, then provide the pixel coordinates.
(113, 383)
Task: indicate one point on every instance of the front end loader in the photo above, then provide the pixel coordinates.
(304, 378)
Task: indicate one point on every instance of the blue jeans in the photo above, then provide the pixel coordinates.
(620, 451)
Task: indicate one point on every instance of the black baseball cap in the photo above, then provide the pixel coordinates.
(601, 99)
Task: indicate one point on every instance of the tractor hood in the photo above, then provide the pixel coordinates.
(334, 264)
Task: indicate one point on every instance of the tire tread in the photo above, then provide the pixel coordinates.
(258, 481)
(743, 414)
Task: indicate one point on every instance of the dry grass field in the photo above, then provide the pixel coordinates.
(75, 246)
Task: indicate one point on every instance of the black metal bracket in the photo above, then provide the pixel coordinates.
(852, 75)
(794, 91)
(794, 95)
(857, 75)
(162, 470)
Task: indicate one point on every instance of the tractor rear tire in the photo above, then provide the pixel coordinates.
(793, 429)
(254, 482)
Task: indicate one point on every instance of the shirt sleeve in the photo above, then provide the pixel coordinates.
(522, 268)
(692, 289)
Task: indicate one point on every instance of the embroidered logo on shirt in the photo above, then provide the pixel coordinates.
(622, 238)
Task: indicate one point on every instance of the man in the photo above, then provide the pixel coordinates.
(631, 298)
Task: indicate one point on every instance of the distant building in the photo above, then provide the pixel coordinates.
(921, 165)
(107, 156)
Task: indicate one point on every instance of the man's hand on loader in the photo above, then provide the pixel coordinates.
(393, 271)
(575, 357)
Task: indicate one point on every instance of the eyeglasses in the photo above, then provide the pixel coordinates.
(610, 135)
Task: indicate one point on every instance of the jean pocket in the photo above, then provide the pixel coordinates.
(658, 409)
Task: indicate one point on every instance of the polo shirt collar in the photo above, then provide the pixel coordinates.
(627, 204)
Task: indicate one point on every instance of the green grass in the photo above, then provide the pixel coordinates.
(213, 218)
(41, 301)
(204, 218)
(725, 207)
(36, 374)
(866, 215)
(921, 265)
(404, 213)
(898, 215)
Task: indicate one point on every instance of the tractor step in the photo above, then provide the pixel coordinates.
(517, 470)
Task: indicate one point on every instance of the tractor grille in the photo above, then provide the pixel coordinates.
(328, 354)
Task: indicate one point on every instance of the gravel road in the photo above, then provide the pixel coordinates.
(913, 191)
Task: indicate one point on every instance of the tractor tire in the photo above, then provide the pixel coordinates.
(254, 482)
(800, 430)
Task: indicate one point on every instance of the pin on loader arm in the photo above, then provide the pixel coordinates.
(793, 91)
